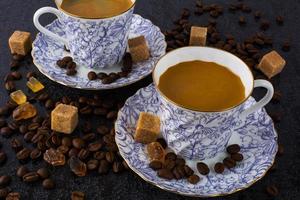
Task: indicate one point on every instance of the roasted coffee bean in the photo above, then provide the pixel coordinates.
(73, 152)
(21, 171)
(92, 75)
(234, 148)
(193, 179)
(49, 104)
(14, 64)
(103, 130)
(16, 144)
(71, 72)
(112, 115)
(170, 156)
(11, 104)
(30, 177)
(229, 163)
(83, 154)
(169, 164)
(102, 75)
(219, 168)
(89, 137)
(71, 66)
(78, 143)
(180, 162)
(286, 46)
(117, 167)
(35, 154)
(48, 184)
(63, 149)
(13, 196)
(61, 64)
(67, 59)
(23, 154)
(100, 111)
(2, 122)
(5, 180)
(28, 136)
(23, 129)
(165, 174)
(108, 139)
(30, 74)
(65, 100)
(203, 168)
(66, 141)
(86, 110)
(42, 146)
(99, 155)
(4, 110)
(103, 167)
(280, 151)
(43, 96)
(8, 77)
(123, 74)
(279, 20)
(242, 20)
(155, 165)
(13, 126)
(77, 195)
(188, 171)
(92, 164)
(3, 158)
(10, 86)
(125, 165)
(96, 146)
(6, 131)
(107, 80)
(43, 173)
(110, 157)
(114, 76)
(33, 126)
(237, 157)
(4, 192)
(16, 75)
(272, 190)
(162, 142)
(264, 25)
(37, 137)
(178, 173)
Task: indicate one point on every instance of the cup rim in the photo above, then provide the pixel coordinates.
(86, 18)
(194, 110)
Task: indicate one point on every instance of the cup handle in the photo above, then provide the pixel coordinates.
(45, 31)
(264, 101)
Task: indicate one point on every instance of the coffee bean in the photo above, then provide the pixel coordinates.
(23, 129)
(14, 64)
(30, 74)
(66, 141)
(178, 172)
(13, 126)
(89, 137)
(78, 143)
(125, 165)
(100, 111)
(37, 137)
(234, 148)
(102, 75)
(229, 163)
(67, 59)
(280, 151)
(272, 190)
(83, 154)
(71, 72)
(21, 171)
(23, 154)
(279, 20)
(170, 156)
(71, 66)
(3, 192)
(33, 126)
(16, 75)
(194, 179)
(264, 25)
(107, 80)
(165, 174)
(43, 96)
(48, 184)
(103, 167)
(286, 46)
(30, 177)
(219, 168)
(246, 9)
(117, 167)
(108, 139)
(237, 157)
(92, 164)
(169, 164)
(61, 64)
(6, 131)
(63, 149)
(96, 146)
(42, 146)
(4, 110)
(103, 130)
(65, 100)
(86, 110)
(110, 157)
(92, 75)
(257, 15)
(112, 115)
(5, 180)
(155, 165)
(188, 171)
(203, 168)
(28, 136)
(16, 144)
(43, 173)
(2, 122)
(77, 195)
(10, 104)
(114, 76)
(10, 86)
(99, 155)
(180, 162)
(73, 152)
(3, 158)
(13, 196)
(162, 142)
(242, 20)
(49, 104)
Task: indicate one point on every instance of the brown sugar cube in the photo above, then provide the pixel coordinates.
(138, 49)
(198, 36)
(64, 118)
(148, 128)
(271, 64)
(155, 151)
(20, 43)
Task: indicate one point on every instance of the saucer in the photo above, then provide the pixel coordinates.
(256, 136)
(46, 52)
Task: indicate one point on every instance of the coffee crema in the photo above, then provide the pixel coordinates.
(202, 86)
(96, 9)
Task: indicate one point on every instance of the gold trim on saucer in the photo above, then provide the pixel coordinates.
(191, 109)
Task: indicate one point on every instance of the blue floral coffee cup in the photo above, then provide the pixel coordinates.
(94, 43)
(202, 135)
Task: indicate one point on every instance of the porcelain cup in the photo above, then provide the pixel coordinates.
(198, 135)
(94, 43)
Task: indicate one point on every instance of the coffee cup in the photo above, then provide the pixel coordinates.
(200, 135)
(93, 43)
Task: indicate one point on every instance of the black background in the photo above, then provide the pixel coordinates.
(17, 15)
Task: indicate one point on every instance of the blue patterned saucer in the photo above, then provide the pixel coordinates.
(47, 51)
(256, 135)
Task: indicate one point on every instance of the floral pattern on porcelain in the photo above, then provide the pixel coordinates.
(47, 51)
(197, 135)
(256, 136)
(97, 43)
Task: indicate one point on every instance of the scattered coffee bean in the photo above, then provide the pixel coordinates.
(92, 164)
(234, 148)
(165, 174)
(16, 75)
(188, 171)
(13, 196)
(16, 144)
(30, 177)
(112, 115)
(10, 86)
(6, 131)
(194, 179)
(71, 72)
(21, 171)
(110, 157)
(4, 192)
(2, 122)
(229, 163)
(3, 158)
(169, 164)
(14, 64)
(4, 110)
(48, 184)
(203, 168)
(5, 180)
(30, 74)
(155, 165)
(237, 157)
(170, 156)
(103, 167)
(272, 190)
(23, 129)
(96, 146)
(117, 167)
(78, 143)
(23, 154)
(43, 173)
(99, 155)
(66, 141)
(92, 75)
(219, 168)
(102, 75)
(103, 130)
(77, 195)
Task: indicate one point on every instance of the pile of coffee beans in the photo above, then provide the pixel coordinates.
(68, 64)
(112, 77)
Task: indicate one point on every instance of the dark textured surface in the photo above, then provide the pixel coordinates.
(17, 14)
